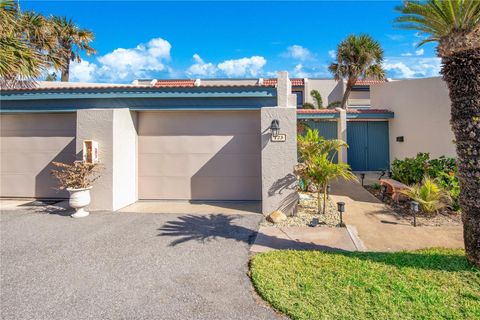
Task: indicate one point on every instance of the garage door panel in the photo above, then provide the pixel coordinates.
(181, 165)
(248, 143)
(213, 188)
(200, 155)
(29, 144)
(35, 144)
(195, 123)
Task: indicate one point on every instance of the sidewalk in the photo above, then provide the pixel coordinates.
(380, 230)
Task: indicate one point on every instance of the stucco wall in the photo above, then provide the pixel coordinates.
(330, 90)
(422, 116)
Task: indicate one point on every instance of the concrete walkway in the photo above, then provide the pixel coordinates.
(381, 230)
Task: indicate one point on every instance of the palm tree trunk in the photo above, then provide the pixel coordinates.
(66, 67)
(324, 197)
(461, 72)
(319, 201)
(346, 94)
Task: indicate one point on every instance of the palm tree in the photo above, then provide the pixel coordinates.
(455, 25)
(358, 57)
(71, 41)
(20, 62)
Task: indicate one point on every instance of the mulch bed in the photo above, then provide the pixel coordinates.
(444, 217)
(307, 211)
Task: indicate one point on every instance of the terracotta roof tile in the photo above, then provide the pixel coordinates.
(367, 82)
(175, 83)
(296, 82)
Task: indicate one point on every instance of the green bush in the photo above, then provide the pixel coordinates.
(443, 170)
(308, 105)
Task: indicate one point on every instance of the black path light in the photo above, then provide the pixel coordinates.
(415, 208)
(362, 176)
(329, 190)
(383, 191)
(275, 127)
(341, 209)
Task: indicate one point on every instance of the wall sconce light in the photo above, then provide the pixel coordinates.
(341, 209)
(415, 208)
(275, 127)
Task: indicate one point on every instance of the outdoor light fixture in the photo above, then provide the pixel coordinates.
(329, 190)
(384, 191)
(414, 207)
(390, 174)
(275, 127)
(362, 176)
(341, 209)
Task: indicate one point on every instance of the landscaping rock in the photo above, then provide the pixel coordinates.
(277, 217)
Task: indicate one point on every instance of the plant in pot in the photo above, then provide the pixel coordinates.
(77, 179)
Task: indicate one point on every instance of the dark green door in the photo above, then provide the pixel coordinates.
(326, 129)
(368, 145)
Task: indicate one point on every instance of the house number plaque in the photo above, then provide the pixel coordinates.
(279, 138)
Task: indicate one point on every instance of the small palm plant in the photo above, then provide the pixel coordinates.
(429, 195)
(318, 98)
(317, 163)
(357, 57)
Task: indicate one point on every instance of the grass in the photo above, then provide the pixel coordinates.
(424, 284)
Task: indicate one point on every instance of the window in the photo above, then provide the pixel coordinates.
(299, 98)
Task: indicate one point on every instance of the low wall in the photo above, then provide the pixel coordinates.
(422, 116)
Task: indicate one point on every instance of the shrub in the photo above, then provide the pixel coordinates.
(78, 175)
(318, 98)
(430, 196)
(334, 104)
(443, 170)
(376, 186)
(308, 105)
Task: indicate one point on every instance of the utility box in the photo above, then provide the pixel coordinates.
(90, 151)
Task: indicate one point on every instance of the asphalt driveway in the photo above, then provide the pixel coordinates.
(127, 265)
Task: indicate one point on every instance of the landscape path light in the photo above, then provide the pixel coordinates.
(341, 209)
(415, 208)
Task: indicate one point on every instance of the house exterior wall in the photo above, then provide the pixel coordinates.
(422, 116)
(330, 90)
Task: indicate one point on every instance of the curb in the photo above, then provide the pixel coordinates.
(353, 233)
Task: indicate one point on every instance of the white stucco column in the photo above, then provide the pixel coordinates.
(342, 133)
(279, 184)
(116, 134)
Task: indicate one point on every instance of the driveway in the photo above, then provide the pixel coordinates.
(127, 265)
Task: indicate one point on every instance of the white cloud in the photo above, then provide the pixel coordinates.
(395, 37)
(419, 52)
(412, 67)
(127, 64)
(298, 52)
(407, 54)
(331, 54)
(200, 68)
(243, 67)
(83, 71)
(299, 72)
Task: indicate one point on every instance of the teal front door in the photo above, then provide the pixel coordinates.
(368, 145)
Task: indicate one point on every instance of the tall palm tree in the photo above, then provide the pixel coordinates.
(358, 57)
(455, 25)
(72, 40)
(20, 62)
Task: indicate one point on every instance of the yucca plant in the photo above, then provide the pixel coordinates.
(429, 195)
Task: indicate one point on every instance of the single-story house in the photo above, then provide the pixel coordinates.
(209, 139)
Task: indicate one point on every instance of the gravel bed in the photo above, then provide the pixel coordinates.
(307, 210)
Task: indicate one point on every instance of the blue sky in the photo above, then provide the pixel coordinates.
(156, 39)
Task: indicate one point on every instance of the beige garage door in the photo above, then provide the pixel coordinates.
(199, 155)
(29, 143)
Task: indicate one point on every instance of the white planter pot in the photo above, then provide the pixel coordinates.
(79, 199)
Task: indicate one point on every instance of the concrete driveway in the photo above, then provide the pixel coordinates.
(127, 265)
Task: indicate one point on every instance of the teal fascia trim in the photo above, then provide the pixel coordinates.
(66, 109)
(387, 115)
(241, 92)
(318, 116)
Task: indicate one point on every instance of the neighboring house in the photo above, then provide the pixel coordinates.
(209, 139)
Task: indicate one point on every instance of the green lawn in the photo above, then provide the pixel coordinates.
(425, 284)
